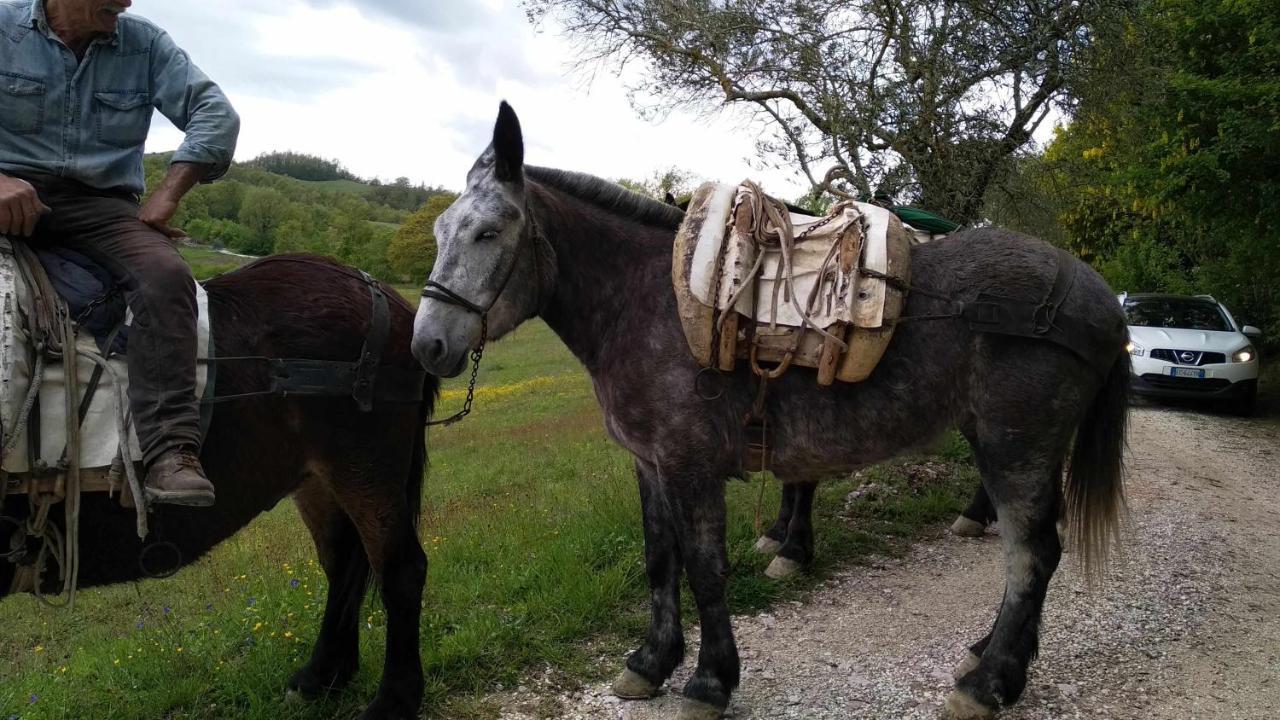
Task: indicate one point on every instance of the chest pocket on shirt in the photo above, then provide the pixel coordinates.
(123, 117)
(21, 104)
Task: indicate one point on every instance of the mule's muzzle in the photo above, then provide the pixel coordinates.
(436, 356)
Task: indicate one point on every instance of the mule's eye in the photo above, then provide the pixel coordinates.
(488, 235)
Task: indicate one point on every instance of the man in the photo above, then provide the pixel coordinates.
(78, 81)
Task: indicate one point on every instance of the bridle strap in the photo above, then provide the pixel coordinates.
(436, 291)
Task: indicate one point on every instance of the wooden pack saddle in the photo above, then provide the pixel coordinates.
(754, 282)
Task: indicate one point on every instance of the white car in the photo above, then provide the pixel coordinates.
(1190, 347)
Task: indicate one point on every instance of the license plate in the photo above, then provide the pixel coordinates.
(1187, 372)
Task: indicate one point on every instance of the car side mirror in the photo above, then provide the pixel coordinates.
(1251, 332)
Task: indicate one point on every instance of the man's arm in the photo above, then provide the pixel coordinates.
(159, 208)
(196, 106)
(20, 207)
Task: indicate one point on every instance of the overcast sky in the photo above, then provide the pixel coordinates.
(411, 88)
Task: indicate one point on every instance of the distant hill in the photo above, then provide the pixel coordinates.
(290, 202)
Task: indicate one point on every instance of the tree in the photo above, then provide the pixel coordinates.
(1170, 176)
(674, 181)
(263, 210)
(924, 99)
(412, 252)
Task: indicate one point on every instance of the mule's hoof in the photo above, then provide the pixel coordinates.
(966, 666)
(630, 685)
(767, 545)
(293, 698)
(964, 527)
(961, 706)
(781, 567)
(692, 709)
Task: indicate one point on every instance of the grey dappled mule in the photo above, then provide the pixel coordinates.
(594, 261)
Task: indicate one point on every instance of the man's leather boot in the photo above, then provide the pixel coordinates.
(176, 478)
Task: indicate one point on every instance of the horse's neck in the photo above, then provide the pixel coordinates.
(604, 269)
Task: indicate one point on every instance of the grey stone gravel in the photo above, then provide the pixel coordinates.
(1186, 625)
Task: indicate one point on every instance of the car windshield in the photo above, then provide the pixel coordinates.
(1186, 313)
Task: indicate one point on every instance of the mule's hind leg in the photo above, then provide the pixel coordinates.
(663, 649)
(796, 550)
(336, 654)
(1024, 492)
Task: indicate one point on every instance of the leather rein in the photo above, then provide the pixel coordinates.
(438, 291)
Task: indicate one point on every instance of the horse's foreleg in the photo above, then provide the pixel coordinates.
(796, 550)
(1026, 500)
(336, 654)
(663, 649)
(380, 511)
(698, 508)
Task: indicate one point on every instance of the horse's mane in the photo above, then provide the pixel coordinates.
(608, 196)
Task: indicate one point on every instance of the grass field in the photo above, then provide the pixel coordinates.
(532, 526)
(206, 262)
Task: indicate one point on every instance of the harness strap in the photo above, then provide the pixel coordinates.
(366, 368)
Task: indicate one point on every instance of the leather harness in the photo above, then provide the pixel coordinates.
(364, 380)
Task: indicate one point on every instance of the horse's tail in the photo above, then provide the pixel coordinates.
(418, 462)
(1095, 480)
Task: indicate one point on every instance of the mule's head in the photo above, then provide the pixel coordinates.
(487, 262)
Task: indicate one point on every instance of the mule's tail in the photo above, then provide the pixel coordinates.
(1095, 480)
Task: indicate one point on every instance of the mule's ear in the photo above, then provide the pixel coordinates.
(508, 145)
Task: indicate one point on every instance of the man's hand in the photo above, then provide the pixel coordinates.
(159, 209)
(20, 207)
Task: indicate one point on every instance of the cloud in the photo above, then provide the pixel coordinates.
(430, 15)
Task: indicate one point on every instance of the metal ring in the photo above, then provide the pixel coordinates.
(150, 549)
(709, 389)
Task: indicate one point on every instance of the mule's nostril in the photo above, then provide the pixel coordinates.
(429, 352)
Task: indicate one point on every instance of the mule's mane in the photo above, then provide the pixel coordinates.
(608, 196)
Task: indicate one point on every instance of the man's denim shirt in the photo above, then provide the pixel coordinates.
(88, 120)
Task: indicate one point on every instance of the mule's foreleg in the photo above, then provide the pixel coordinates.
(1027, 507)
(973, 520)
(773, 538)
(663, 649)
(797, 549)
(698, 505)
(336, 654)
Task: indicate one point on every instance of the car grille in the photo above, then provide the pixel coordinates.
(1181, 383)
(1201, 358)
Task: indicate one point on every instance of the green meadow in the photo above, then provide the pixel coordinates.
(531, 522)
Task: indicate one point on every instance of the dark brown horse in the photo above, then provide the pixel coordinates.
(356, 477)
(594, 261)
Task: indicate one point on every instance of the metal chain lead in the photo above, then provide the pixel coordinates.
(471, 386)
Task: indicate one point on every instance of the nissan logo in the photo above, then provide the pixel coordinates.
(1187, 356)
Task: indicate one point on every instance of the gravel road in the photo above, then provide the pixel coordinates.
(1186, 626)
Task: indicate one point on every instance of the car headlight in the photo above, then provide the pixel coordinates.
(1134, 348)
(1244, 354)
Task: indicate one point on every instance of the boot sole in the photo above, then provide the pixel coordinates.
(185, 499)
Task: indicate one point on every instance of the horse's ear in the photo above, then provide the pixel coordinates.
(508, 145)
(670, 199)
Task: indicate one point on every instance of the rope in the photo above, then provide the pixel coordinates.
(126, 452)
